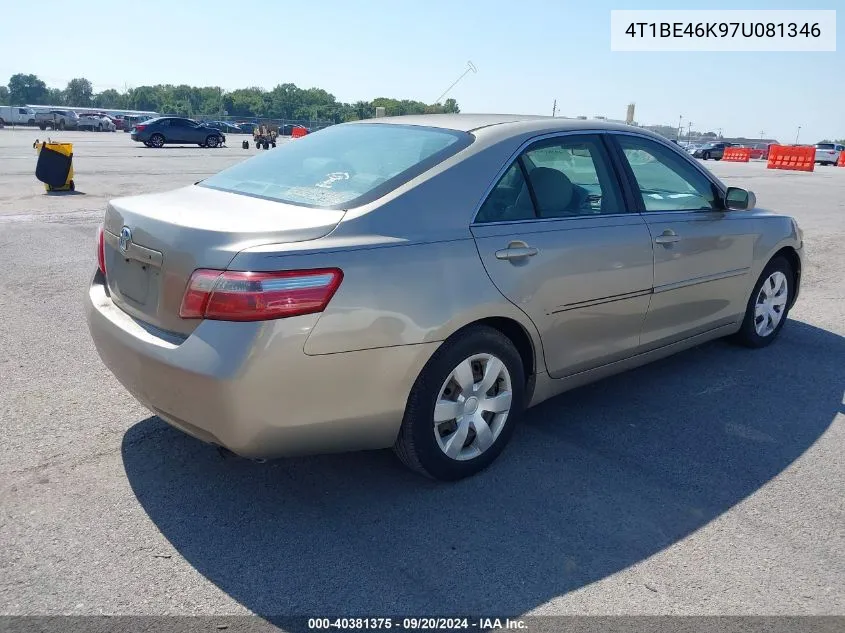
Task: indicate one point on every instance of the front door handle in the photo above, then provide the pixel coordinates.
(517, 250)
(668, 237)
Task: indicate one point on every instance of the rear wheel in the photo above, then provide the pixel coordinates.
(464, 405)
(768, 307)
(157, 140)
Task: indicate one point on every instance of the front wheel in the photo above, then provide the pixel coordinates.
(705, 156)
(464, 405)
(768, 307)
(212, 140)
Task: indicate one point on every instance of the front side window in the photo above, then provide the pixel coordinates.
(667, 181)
(341, 166)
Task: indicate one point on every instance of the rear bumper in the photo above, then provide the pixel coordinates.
(250, 387)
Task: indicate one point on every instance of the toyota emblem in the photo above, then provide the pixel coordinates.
(125, 239)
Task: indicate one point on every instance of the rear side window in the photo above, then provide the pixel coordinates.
(564, 177)
(342, 166)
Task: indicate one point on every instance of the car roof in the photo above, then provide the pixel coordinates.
(516, 122)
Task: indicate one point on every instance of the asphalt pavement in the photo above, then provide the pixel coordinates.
(707, 483)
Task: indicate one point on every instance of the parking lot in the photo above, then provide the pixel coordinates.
(707, 483)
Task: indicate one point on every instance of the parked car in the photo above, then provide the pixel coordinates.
(57, 120)
(418, 281)
(247, 127)
(17, 115)
(828, 153)
(711, 150)
(176, 130)
(130, 121)
(95, 122)
(759, 151)
(224, 126)
(287, 129)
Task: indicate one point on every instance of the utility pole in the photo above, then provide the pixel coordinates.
(689, 131)
(720, 132)
(796, 134)
(554, 107)
(680, 119)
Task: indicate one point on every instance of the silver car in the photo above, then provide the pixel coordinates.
(417, 282)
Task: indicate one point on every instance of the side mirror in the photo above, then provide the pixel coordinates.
(737, 199)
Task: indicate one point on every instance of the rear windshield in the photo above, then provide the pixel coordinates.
(341, 166)
(824, 146)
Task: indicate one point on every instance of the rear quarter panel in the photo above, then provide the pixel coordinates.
(396, 293)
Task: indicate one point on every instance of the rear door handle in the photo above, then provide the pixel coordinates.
(668, 237)
(517, 250)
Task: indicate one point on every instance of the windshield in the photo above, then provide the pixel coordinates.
(824, 146)
(342, 166)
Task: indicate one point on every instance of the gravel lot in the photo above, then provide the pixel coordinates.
(707, 483)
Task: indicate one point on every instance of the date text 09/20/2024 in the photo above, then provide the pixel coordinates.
(415, 623)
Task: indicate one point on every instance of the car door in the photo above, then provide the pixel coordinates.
(703, 254)
(558, 240)
(179, 132)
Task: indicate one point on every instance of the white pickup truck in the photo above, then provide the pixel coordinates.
(16, 115)
(828, 153)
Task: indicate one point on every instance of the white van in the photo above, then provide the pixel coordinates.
(17, 115)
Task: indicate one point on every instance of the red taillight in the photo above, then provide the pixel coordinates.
(101, 249)
(139, 128)
(247, 296)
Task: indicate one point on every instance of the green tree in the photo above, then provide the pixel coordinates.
(25, 89)
(4, 95)
(451, 106)
(144, 98)
(55, 96)
(109, 99)
(79, 92)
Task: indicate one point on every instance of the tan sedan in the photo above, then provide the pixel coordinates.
(417, 282)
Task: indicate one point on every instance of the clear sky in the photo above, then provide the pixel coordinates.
(528, 53)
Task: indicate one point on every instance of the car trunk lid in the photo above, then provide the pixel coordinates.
(154, 242)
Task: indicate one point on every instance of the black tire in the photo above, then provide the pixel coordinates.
(212, 140)
(157, 140)
(416, 444)
(42, 126)
(747, 335)
(61, 125)
(72, 186)
(705, 156)
(100, 127)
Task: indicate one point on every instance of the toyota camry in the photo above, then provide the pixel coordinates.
(418, 282)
